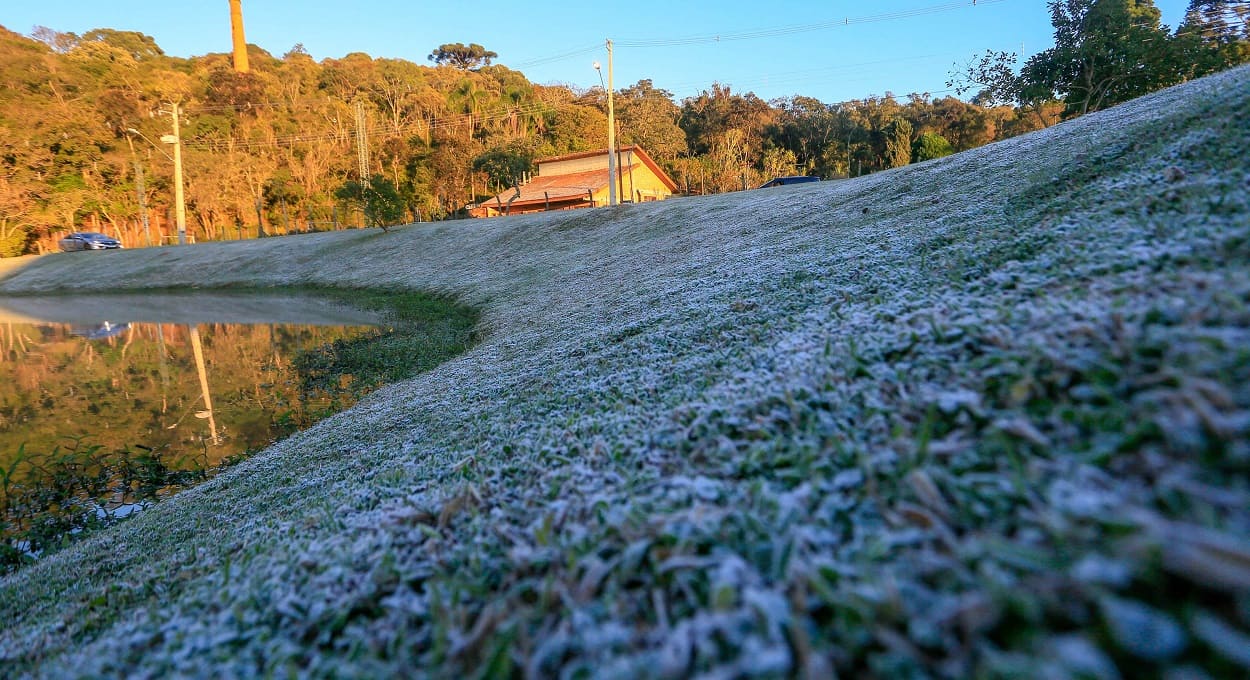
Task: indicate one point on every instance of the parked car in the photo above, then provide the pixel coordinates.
(782, 181)
(89, 240)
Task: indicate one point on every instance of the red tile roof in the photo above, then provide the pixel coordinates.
(555, 187)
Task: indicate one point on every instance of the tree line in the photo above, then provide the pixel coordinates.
(275, 150)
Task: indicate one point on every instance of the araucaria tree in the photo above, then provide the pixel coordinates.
(461, 56)
(1215, 35)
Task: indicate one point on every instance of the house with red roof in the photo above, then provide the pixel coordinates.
(580, 180)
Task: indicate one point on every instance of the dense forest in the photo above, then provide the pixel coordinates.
(275, 150)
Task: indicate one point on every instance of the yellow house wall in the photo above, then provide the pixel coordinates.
(601, 197)
(642, 185)
(639, 185)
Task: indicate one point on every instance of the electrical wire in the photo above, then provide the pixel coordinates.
(727, 37)
(430, 124)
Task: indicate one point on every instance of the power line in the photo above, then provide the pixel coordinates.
(579, 52)
(431, 123)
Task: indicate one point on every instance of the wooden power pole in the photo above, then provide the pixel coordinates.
(236, 33)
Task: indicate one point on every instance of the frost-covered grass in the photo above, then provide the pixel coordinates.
(983, 416)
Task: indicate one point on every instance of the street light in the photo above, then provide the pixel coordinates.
(149, 141)
(611, 127)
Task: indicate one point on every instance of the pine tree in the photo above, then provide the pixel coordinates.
(1215, 35)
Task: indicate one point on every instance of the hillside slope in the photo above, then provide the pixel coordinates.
(986, 414)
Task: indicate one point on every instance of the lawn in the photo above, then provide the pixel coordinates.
(982, 416)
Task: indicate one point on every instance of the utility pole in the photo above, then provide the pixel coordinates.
(179, 200)
(611, 134)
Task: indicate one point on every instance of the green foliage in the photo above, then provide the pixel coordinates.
(505, 166)
(137, 46)
(649, 119)
(243, 92)
(1215, 35)
(13, 241)
(281, 188)
(68, 182)
(66, 101)
(808, 127)
(379, 200)
(49, 498)
(1106, 52)
(1109, 51)
(426, 330)
(779, 162)
(930, 145)
(898, 143)
(992, 76)
(575, 127)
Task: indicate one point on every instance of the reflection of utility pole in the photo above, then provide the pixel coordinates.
(199, 367)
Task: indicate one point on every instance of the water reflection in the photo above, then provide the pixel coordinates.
(205, 392)
(106, 329)
(108, 402)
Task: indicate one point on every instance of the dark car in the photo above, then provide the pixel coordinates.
(89, 240)
(782, 181)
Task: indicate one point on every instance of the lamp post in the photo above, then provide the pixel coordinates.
(611, 128)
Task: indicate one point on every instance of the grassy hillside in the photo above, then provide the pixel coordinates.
(985, 415)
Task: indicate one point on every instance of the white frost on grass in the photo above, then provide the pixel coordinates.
(853, 427)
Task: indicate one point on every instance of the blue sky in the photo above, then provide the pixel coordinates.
(833, 50)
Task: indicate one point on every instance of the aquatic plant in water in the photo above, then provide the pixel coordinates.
(47, 498)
